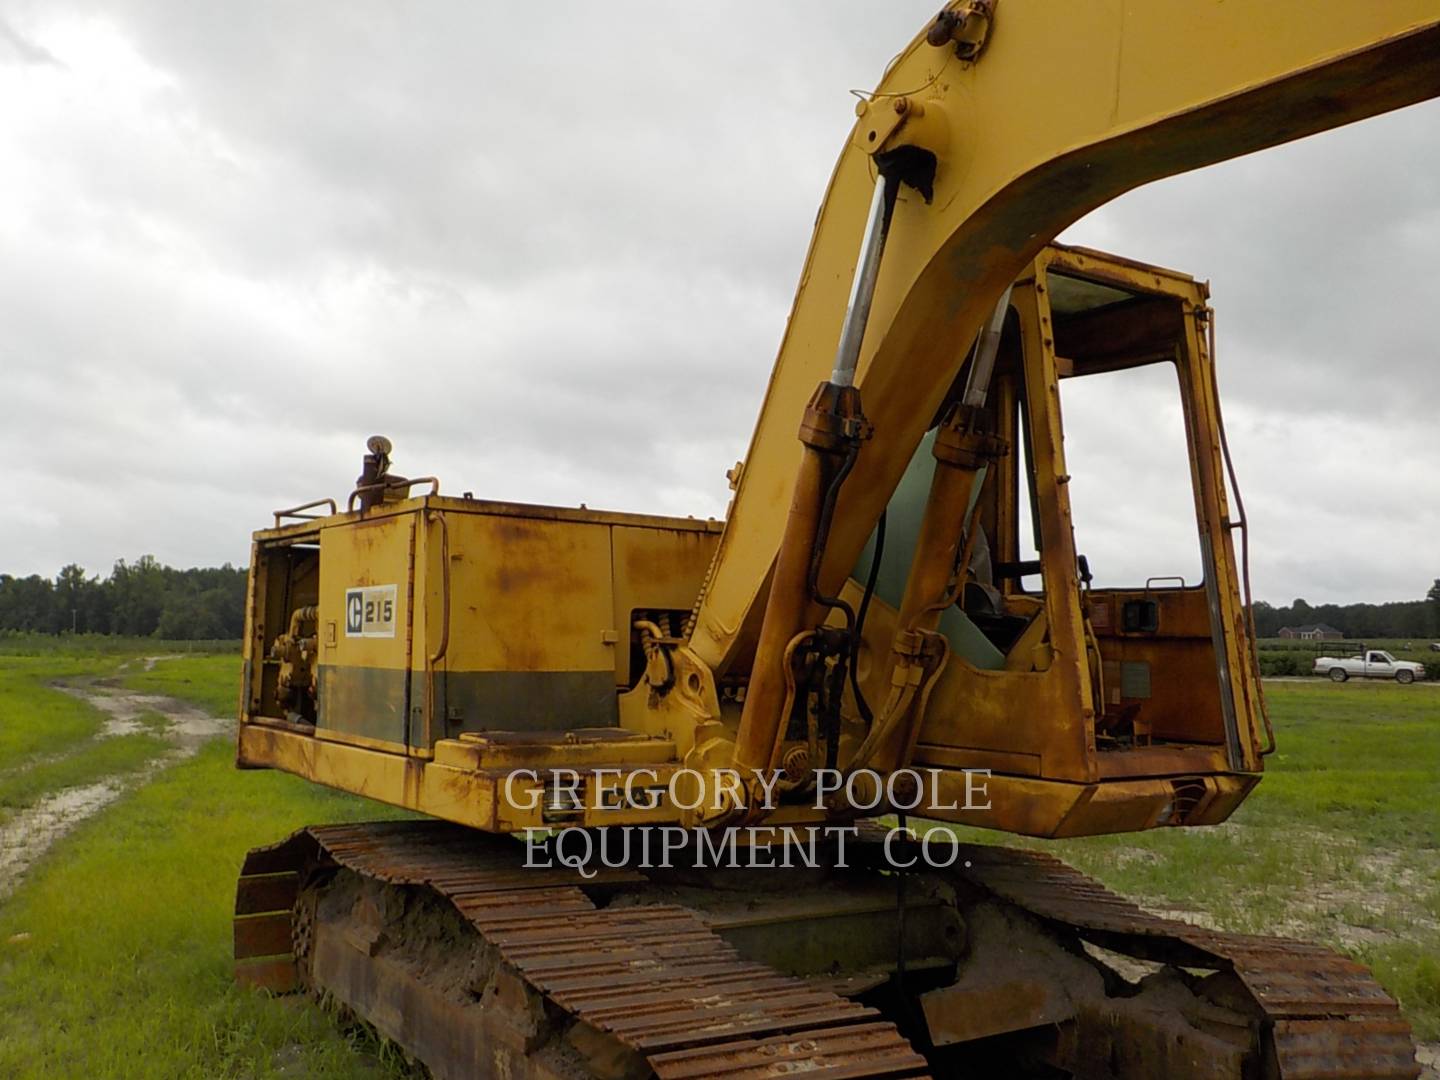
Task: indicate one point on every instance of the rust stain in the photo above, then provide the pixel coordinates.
(609, 967)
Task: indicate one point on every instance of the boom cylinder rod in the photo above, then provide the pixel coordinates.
(862, 288)
(831, 431)
(832, 427)
(788, 613)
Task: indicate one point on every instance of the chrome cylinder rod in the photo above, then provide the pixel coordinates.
(987, 347)
(862, 289)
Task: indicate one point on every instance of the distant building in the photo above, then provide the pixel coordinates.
(1316, 632)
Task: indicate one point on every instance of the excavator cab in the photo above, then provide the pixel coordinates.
(1096, 708)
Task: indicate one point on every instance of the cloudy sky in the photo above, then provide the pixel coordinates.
(550, 249)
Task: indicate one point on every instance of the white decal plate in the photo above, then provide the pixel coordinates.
(370, 611)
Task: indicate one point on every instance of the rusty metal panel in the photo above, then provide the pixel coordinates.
(1108, 1043)
(366, 574)
(455, 1041)
(529, 594)
(271, 892)
(957, 1014)
(654, 569)
(1342, 1049)
(364, 702)
(262, 935)
(869, 1050)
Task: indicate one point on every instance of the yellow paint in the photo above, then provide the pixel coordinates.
(540, 590)
(1069, 105)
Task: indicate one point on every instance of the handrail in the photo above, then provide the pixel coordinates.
(1149, 581)
(395, 484)
(444, 645)
(294, 511)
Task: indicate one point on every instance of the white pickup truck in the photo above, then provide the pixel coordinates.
(1372, 664)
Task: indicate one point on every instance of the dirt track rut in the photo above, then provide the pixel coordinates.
(29, 833)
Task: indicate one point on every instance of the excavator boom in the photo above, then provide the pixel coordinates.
(1061, 108)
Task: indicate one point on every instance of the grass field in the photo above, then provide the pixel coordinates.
(16, 643)
(114, 953)
(211, 682)
(36, 720)
(48, 739)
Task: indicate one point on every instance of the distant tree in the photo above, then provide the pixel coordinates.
(137, 596)
(187, 617)
(1432, 598)
(27, 604)
(138, 599)
(78, 602)
(1397, 619)
(1267, 619)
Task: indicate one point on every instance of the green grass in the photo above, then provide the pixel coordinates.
(14, 643)
(126, 968)
(1411, 971)
(34, 719)
(115, 950)
(1362, 760)
(153, 722)
(92, 762)
(211, 682)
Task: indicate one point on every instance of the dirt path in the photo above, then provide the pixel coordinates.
(186, 727)
(29, 834)
(148, 662)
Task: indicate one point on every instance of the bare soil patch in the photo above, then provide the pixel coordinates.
(186, 727)
(27, 835)
(1428, 1054)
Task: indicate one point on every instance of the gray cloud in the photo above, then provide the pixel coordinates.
(551, 249)
(20, 48)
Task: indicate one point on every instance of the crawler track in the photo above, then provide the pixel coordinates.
(655, 978)
(1324, 1015)
(566, 983)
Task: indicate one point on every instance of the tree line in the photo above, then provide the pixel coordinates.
(1358, 622)
(140, 599)
(146, 598)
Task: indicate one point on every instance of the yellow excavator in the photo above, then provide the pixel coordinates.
(649, 757)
